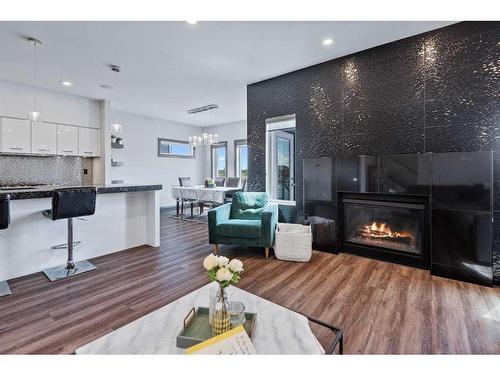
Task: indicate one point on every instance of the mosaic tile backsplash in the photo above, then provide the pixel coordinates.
(50, 170)
(434, 92)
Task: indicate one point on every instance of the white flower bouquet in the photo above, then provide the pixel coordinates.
(222, 270)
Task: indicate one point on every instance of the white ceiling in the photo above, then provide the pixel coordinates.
(169, 67)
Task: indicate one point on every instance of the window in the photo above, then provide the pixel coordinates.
(171, 148)
(241, 158)
(280, 157)
(219, 160)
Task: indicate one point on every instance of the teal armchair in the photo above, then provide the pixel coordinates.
(249, 220)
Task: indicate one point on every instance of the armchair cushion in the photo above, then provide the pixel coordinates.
(248, 206)
(237, 228)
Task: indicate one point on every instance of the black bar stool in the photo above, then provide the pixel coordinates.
(4, 224)
(67, 204)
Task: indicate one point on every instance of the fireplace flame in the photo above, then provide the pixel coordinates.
(382, 230)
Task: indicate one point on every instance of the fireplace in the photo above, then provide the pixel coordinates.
(391, 228)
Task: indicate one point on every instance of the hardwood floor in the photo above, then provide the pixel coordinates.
(383, 307)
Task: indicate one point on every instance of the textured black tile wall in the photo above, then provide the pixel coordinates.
(437, 92)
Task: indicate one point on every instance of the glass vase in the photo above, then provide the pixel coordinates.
(220, 313)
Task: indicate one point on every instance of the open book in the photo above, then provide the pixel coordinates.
(234, 341)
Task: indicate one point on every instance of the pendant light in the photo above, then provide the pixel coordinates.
(34, 115)
(116, 127)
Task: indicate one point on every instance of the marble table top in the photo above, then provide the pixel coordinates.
(277, 331)
(216, 194)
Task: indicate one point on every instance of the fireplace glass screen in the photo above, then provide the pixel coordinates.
(389, 225)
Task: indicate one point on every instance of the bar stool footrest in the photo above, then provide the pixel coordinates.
(4, 289)
(65, 245)
(62, 272)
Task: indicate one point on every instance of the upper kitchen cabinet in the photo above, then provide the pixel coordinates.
(44, 138)
(67, 140)
(15, 136)
(88, 142)
(17, 100)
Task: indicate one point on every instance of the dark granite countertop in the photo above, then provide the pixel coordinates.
(46, 191)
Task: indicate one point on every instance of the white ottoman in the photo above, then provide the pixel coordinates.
(293, 242)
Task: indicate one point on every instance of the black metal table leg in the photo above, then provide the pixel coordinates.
(339, 335)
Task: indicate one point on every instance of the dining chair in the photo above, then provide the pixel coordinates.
(233, 182)
(189, 196)
(219, 181)
(186, 182)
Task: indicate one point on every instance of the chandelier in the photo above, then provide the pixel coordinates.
(204, 139)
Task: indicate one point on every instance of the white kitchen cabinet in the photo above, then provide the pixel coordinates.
(67, 140)
(88, 142)
(44, 138)
(15, 136)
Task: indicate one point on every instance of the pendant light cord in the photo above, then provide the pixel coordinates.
(115, 69)
(35, 78)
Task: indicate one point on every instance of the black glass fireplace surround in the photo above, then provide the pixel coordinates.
(431, 210)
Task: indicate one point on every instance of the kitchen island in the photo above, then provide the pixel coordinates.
(126, 216)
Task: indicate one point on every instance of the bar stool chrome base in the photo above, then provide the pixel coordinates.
(4, 289)
(62, 272)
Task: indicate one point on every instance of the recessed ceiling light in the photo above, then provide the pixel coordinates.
(66, 83)
(192, 22)
(327, 41)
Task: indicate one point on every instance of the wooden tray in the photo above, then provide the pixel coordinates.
(196, 328)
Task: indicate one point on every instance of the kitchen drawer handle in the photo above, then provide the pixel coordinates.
(15, 148)
(87, 152)
(43, 149)
(68, 151)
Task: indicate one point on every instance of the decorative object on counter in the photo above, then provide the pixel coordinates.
(115, 163)
(209, 183)
(293, 242)
(225, 273)
(117, 144)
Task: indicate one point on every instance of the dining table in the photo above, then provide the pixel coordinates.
(199, 193)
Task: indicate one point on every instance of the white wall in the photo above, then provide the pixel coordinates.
(17, 100)
(227, 133)
(140, 154)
